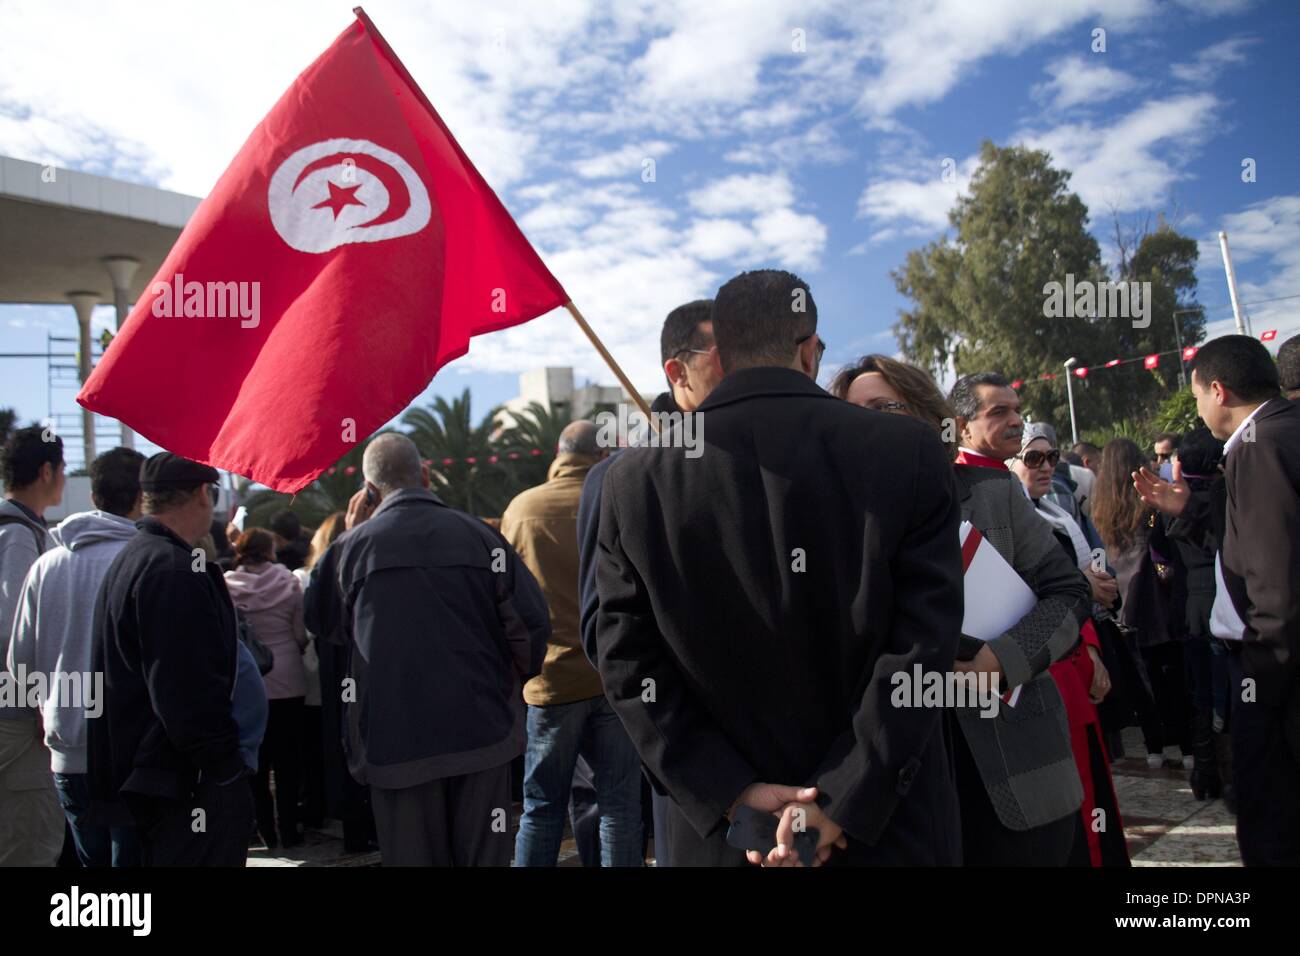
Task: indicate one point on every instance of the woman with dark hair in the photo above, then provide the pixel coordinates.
(269, 599)
(1148, 571)
(1015, 774)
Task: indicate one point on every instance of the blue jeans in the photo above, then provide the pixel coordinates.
(556, 735)
(96, 845)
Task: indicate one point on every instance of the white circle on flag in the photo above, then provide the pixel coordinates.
(317, 206)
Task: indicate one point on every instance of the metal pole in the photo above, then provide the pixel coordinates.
(1182, 366)
(1232, 283)
(1069, 391)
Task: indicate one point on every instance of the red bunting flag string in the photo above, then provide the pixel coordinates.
(444, 462)
(1151, 361)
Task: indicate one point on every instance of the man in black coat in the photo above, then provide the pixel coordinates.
(1237, 394)
(167, 743)
(756, 600)
(444, 625)
(690, 363)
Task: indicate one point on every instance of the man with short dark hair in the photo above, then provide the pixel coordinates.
(31, 824)
(1257, 605)
(689, 358)
(988, 419)
(686, 352)
(445, 625)
(755, 601)
(1288, 367)
(1163, 450)
(53, 633)
(168, 744)
(1089, 455)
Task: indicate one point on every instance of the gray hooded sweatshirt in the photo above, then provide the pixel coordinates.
(52, 632)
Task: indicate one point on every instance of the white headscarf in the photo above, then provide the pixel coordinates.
(1052, 513)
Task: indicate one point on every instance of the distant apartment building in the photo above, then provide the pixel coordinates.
(553, 386)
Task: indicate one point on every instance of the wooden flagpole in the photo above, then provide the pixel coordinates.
(613, 365)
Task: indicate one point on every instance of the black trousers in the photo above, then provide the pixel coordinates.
(985, 840)
(454, 821)
(1164, 663)
(313, 767)
(209, 829)
(281, 753)
(1266, 771)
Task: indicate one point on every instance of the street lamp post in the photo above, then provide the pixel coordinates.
(1178, 337)
(1069, 391)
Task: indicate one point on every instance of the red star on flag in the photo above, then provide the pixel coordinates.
(340, 196)
(1151, 361)
(1189, 353)
(1268, 336)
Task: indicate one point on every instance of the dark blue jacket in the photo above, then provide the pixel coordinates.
(444, 624)
(164, 639)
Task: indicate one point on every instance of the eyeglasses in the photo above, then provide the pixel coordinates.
(1034, 459)
(885, 405)
(681, 352)
(821, 343)
(214, 492)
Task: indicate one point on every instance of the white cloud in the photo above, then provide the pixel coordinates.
(753, 192)
(1134, 162)
(718, 239)
(625, 162)
(1211, 61)
(922, 205)
(925, 49)
(1078, 80)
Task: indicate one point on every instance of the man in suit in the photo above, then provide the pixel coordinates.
(690, 363)
(1237, 394)
(756, 600)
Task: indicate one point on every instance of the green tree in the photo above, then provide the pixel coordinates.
(981, 298)
(8, 418)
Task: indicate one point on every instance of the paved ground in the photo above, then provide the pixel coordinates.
(1165, 825)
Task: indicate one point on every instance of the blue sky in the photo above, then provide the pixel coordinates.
(825, 160)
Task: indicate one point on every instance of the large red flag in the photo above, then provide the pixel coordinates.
(348, 253)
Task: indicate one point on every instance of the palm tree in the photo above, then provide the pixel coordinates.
(464, 465)
(328, 493)
(536, 428)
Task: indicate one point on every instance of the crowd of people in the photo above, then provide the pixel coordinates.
(702, 649)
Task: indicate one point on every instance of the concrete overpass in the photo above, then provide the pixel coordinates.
(80, 240)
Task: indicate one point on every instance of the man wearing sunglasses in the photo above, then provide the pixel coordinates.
(1163, 450)
(167, 744)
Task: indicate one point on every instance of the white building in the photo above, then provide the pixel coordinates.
(553, 386)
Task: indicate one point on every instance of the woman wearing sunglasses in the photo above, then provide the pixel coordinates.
(1015, 773)
(1082, 677)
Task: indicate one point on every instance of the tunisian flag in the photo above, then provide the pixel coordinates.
(350, 250)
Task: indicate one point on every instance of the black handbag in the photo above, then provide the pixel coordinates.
(262, 655)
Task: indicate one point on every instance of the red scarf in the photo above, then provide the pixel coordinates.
(965, 457)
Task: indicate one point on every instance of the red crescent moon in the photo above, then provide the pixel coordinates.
(399, 197)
